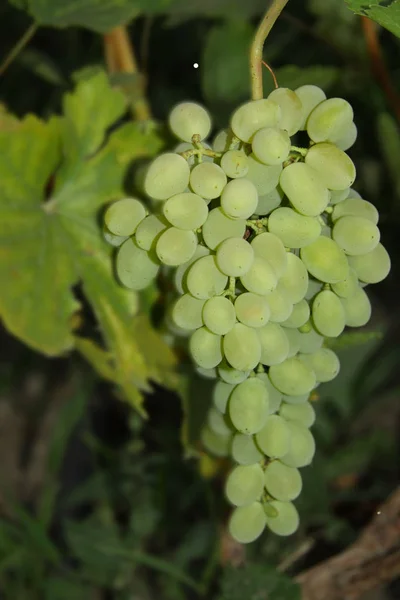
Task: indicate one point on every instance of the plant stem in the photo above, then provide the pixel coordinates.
(256, 51)
(19, 46)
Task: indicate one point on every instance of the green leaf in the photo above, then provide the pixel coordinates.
(256, 582)
(389, 140)
(235, 9)
(292, 77)
(384, 12)
(60, 588)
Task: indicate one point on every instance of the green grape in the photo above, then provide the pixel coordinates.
(206, 373)
(279, 304)
(207, 180)
(225, 140)
(354, 194)
(187, 119)
(287, 521)
(325, 260)
(292, 377)
(166, 176)
(282, 482)
(111, 238)
(135, 267)
(274, 396)
(355, 207)
(291, 109)
(274, 344)
(244, 484)
(252, 310)
(347, 286)
(218, 227)
(219, 445)
(310, 342)
(310, 96)
(295, 278)
(271, 145)
(347, 140)
(324, 362)
(252, 116)
(234, 257)
(293, 336)
(293, 229)
(217, 422)
(260, 278)
(329, 120)
(372, 267)
(231, 375)
(247, 523)
(244, 450)
(187, 312)
(269, 247)
(205, 348)
(248, 406)
(204, 280)
(338, 196)
(186, 211)
(296, 399)
(302, 446)
(219, 315)
(181, 272)
(299, 315)
(264, 177)
(149, 230)
(303, 413)
(234, 163)
(123, 216)
(176, 246)
(335, 169)
(221, 394)
(242, 347)
(239, 199)
(328, 314)
(273, 438)
(356, 235)
(313, 288)
(194, 158)
(304, 188)
(357, 309)
(268, 202)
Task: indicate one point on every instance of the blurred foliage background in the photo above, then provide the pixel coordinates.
(96, 503)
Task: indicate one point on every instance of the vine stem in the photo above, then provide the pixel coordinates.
(19, 46)
(256, 50)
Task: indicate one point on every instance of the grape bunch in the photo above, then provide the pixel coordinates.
(270, 250)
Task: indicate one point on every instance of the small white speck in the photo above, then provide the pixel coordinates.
(196, 65)
(378, 512)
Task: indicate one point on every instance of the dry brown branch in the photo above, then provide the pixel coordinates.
(372, 560)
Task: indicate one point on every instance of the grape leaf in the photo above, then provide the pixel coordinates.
(48, 245)
(386, 13)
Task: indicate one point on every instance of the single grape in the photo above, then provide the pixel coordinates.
(325, 260)
(335, 169)
(204, 280)
(221, 394)
(181, 272)
(231, 375)
(123, 216)
(287, 520)
(218, 227)
(112, 239)
(245, 484)
(310, 96)
(264, 177)
(347, 140)
(207, 180)
(329, 120)
(347, 286)
(244, 450)
(355, 207)
(247, 523)
(271, 145)
(248, 406)
(219, 445)
(149, 230)
(274, 437)
(166, 176)
(176, 246)
(292, 377)
(187, 312)
(302, 446)
(269, 247)
(293, 229)
(252, 310)
(328, 314)
(252, 116)
(295, 399)
(338, 196)
(135, 267)
(234, 163)
(303, 413)
(239, 199)
(234, 257)
(268, 202)
(186, 211)
(372, 267)
(299, 315)
(356, 235)
(324, 362)
(295, 278)
(357, 309)
(291, 109)
(304, 188)
(314, 287)
(219, 315)
(217, 422)
(274, 344)
(225, 140)
(260, 278)
(282, 482)
(274, 396)
(280, 305)
(206, 373)
(293, 336)
(310, 342)
(187, 119)
(205, 348)
(242, 347)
